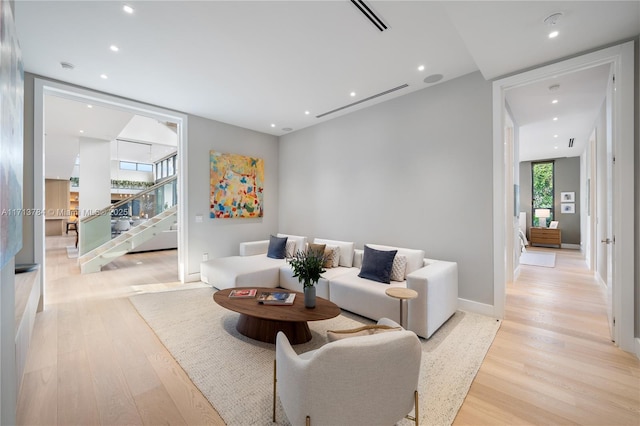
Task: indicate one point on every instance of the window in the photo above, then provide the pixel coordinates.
(140, 167)
(125, 165)
(542, 178)
(166, 167)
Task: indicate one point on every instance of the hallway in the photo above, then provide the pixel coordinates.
(553, 361)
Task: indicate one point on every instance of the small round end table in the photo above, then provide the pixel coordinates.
(401, 294)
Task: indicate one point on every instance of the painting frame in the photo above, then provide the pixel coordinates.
(567, 208)
(236, 186)
(567, 197)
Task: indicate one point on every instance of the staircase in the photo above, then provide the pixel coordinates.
(94, 260)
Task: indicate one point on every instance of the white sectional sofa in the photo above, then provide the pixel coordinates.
(435, 281)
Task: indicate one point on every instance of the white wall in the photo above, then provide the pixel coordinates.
(95, 176)
(221, 237)
(415, 171)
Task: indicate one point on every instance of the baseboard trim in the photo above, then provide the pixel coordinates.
(476, 307)
(571, 246)
(192, 277)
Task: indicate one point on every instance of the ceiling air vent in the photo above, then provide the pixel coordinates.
(366, 11)
(362, 100)
(571, 142)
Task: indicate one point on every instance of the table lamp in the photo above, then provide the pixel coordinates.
(542, 215)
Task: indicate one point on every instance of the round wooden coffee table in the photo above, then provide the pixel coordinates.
(262, 322)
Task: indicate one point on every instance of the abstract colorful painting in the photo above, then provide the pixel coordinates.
(237, 186)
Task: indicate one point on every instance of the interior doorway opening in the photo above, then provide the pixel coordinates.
(620, 59)
(44, 88)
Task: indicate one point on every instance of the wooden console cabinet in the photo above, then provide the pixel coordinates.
(545, 236)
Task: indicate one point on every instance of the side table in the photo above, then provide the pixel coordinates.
(401, 294)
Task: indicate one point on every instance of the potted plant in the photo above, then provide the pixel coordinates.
(307, 267)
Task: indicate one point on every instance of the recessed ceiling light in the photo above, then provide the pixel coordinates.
(352, 94)
(553, 34)
(273, 125)
(555, 136)
(555, 118)
(81, 131)
(89, 106)
(307, 113)
(127, 9)
(555, 101)
(104, 76)
(421, 68)
(67, 65)
(287, 129)
(555, 147)
(114, 48)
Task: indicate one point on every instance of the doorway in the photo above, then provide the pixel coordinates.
(44, 88)
(621, 60)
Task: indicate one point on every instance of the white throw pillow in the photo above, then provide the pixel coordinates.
(335, 255)
(290, 249)
(399, 268)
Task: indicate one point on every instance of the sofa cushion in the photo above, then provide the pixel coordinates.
(301, 242)
(415, 258)
(399, 268)
(346, 250)
(376, 264)
(277, 247)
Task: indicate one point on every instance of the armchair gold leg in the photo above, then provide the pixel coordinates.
(308, 422)
(274, 390)
(416, 418)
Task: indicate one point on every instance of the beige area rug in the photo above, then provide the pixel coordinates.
(235, 373)
(547, 260)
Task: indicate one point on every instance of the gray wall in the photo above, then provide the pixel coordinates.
(415, 171)
(221, 237)
(567, 179)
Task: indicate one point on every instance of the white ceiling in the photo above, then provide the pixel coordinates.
(580, 97)
(132, 137)
(252, 64)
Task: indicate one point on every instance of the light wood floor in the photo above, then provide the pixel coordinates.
(552, 361)
(93, 360)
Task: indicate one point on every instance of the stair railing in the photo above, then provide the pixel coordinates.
(109, 222)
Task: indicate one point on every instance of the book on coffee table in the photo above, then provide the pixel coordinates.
(242, 293)
(276, 298)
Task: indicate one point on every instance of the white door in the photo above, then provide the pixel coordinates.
(609, 238)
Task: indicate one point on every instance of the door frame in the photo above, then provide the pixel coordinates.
(621, 58)
(43, 87)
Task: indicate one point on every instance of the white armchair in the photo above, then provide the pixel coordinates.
(366, 380)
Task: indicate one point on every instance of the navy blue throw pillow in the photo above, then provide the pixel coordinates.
(376, 264)
(277, 247)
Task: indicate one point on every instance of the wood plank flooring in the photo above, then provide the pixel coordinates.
(552, 361)
(93, 360)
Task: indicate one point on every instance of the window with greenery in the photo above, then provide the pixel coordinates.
(542, 189)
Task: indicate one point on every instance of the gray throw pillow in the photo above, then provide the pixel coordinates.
(277, 247)
(377, 264)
